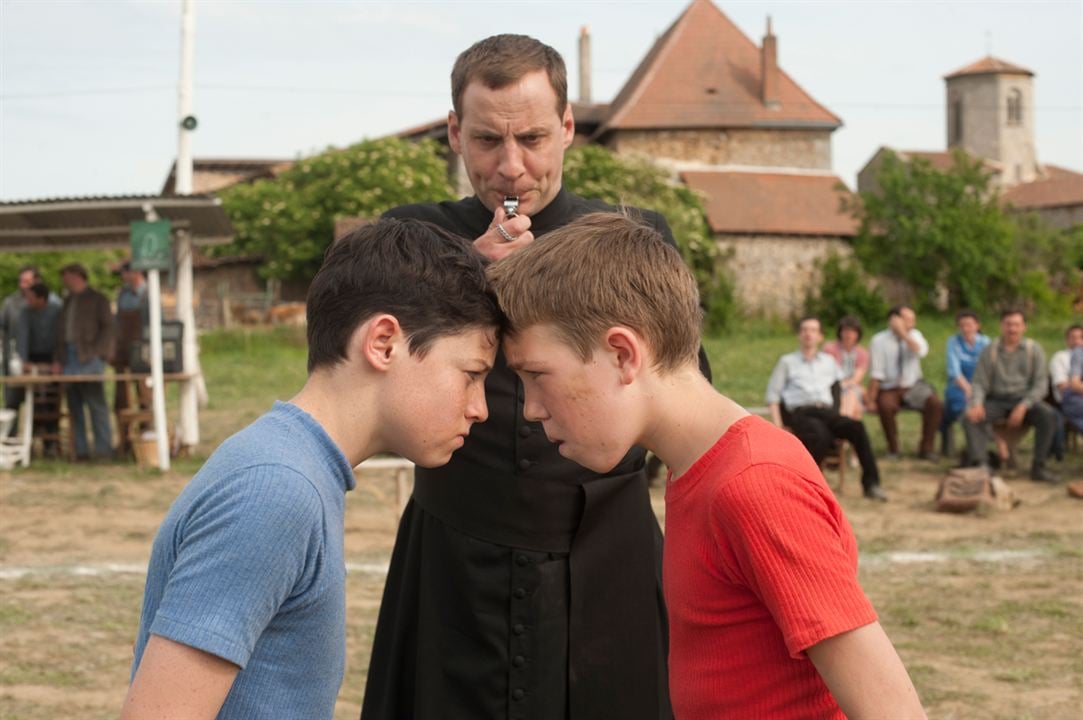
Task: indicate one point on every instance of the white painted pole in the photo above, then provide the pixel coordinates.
(189, 403)
(157, 388)
(161, 433)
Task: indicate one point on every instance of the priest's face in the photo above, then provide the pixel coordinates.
(512, 141)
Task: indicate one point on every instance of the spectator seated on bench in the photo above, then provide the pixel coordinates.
(799, 396)
(1009, 384)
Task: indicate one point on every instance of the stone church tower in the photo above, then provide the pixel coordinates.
(990, 107)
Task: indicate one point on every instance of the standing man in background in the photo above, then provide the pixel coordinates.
(36, 343)
(9, 329)
(522, 585)
(84, 342)
(132, 317)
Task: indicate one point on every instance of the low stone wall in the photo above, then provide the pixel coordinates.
(809, 149)
(772, 274)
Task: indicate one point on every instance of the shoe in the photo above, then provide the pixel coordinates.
(1040, 474)
(993, 460)
(892, 456)
(930, 456)
(875, 493)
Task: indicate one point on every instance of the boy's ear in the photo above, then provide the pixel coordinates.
(378, 340)
(627, 351)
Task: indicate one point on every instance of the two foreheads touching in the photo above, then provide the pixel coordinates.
(600, 271)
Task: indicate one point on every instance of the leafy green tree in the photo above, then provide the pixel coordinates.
(843, 289)
(290, 219)
(594, 172)
(1050, 263)
(939, 231)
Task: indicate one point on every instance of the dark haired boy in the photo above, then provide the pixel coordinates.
(766, 616)
(244, 610)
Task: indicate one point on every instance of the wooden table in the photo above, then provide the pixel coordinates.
(30, 381)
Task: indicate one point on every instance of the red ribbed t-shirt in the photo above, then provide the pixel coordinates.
(760, 564)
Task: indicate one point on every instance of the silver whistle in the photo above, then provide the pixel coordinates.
(511, 205)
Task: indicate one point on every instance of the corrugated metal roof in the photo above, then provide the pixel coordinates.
(102, 222)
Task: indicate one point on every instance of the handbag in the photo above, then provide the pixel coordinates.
(973, 489)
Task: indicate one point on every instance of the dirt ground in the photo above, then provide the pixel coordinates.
(987, 612)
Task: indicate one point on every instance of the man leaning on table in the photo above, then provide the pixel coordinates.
(84, 341)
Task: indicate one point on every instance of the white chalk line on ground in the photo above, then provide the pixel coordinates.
(18, 572)
(983, 556)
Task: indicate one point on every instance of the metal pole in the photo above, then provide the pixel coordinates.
(157, 387)
(189, 404)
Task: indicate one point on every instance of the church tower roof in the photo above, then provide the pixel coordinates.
(989, 65)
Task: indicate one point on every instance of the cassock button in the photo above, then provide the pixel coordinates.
(525, 464)
(518, 628)
(521, 560)
(518, 660)
(517, 694)
(519, 593)
(524, 431)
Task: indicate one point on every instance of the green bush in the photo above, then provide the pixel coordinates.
(594, 172)
(843, 289)
(290, 219)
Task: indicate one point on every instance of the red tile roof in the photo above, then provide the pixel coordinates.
(989, 65)
(944, 159)
(772, 203)
(704, 72)
(1060, 187)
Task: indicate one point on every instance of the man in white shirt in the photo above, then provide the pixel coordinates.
(1061, 361)
(799, 395)
(896, 382)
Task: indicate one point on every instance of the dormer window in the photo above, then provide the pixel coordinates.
(1015, 107)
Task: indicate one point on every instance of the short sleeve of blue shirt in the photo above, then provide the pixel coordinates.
(243, 550)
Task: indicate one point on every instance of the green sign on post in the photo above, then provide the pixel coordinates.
(151, 247)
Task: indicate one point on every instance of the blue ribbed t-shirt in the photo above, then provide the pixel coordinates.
(248, 566)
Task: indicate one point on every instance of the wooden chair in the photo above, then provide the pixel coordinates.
(1007, 441)
(52, 425)
(138, 414)
(838, 459)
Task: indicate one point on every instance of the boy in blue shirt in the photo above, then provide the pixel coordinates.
(244, 610)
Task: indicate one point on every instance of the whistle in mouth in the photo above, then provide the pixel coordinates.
(511, 205)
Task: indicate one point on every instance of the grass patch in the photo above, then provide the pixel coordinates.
(1022, 675)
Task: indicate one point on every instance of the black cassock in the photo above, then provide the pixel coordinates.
(521, 585)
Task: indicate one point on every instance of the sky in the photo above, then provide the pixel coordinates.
(88, 89)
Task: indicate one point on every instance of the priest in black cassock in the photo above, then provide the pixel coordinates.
(521, 585)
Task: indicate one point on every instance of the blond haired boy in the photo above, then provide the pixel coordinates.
(767, 618)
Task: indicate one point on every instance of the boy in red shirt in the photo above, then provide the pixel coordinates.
(766, 615)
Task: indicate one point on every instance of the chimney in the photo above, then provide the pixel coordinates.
(769, 68)
(584, 65)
